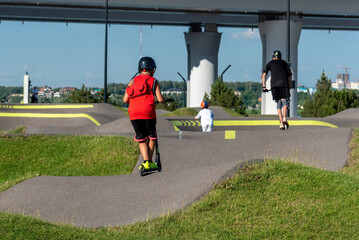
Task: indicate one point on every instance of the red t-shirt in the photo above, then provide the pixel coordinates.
(143, 107)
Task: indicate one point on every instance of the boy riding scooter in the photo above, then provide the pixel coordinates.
(140, 94)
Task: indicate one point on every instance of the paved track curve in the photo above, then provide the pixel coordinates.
(192, 163)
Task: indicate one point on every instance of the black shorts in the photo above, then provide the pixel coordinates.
(144, 128)
(279, 93)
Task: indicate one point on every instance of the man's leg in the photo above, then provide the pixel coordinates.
(285, 108)
(279, 110)
(280, 115)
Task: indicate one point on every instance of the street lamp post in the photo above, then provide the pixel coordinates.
(106, 41)
(225, 71)
(288, 31)
(184, 89)
(288, 45)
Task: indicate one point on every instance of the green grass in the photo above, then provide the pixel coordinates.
(125, 110)
(274, 200)
(190, 112)
(248, 112)
(17, 130)
(232, 113)
(270, 200)
(24, 157)
(182, 112)
(353, 166)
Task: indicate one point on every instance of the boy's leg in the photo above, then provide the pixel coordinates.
(152, 133)
(146, 153)
(204, 128)
(144, 149)
(151, 146)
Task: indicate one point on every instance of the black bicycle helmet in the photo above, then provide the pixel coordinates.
(277, 54)
(146, 63)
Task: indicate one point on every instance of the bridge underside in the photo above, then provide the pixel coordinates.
(203, 46)
(123, 13)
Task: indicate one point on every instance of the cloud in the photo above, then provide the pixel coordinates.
(305, 69)
(39, 75)
(90, 75)
(247, 34)
(6, 75)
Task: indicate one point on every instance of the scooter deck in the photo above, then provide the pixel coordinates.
(142, 170)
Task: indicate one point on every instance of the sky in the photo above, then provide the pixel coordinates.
(60, 54)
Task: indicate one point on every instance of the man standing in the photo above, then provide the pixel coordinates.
(35, 95)
(281, 80)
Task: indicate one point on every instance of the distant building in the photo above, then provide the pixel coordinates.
(16, 95)
(45, 89)
(310, 90)
(46, 92)
(67, 90)
(95, 91)
(171, 91)
(342, 82)
(238, 93)
(302, 89)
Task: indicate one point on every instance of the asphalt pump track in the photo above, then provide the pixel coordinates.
(192, 162)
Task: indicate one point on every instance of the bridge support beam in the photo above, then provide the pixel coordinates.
(202, 49)
(273, 35)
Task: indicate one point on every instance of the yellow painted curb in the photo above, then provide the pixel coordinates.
(230, 134)
(50, 115)
(51, 106)
(225, 123)
(222, 123)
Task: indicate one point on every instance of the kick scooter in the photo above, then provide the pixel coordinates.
(157, 162)
(142, 169)
(286, 124)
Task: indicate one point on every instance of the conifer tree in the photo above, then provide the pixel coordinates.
(328, 101)
(223, 96)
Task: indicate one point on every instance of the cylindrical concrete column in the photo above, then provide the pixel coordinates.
(274, 35)
(26, 89)
(202, 49)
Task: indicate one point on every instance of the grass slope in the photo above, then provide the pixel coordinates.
(190, 112)
(24, 157)
(271, 200)
(17, 130)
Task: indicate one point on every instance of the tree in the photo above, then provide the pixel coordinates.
(84, 95)
(168, 106)
(250, 91)
(223, 96)
(327, 101)
(5, 93)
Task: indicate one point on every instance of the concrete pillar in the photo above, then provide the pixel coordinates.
(274, 37)
(202, 49)
(26, 89)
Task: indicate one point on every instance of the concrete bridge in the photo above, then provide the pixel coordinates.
(203, 18)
